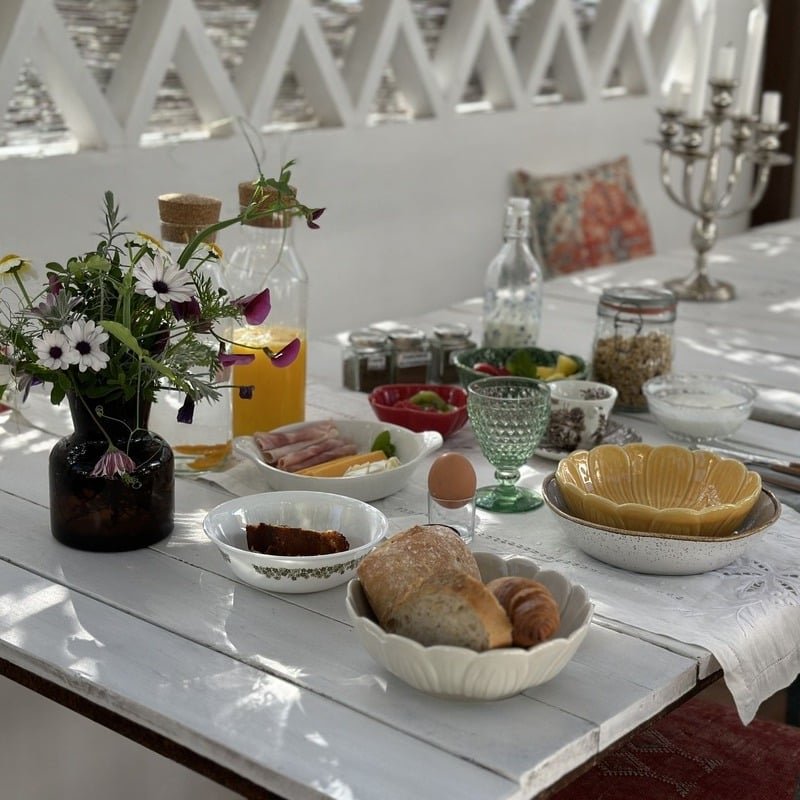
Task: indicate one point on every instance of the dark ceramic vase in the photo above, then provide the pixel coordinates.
(111, 513)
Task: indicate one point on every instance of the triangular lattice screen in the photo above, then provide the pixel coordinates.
(101, 74)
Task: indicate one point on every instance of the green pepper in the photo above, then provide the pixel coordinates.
(428, 399)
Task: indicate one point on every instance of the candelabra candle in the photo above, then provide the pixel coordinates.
(695, 142)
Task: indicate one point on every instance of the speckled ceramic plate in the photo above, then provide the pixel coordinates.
(661, 553)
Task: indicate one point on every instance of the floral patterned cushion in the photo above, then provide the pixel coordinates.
(586, 218)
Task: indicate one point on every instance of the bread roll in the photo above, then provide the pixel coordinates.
(530, 606)
(425, 584)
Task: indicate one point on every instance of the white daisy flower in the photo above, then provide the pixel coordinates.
(54, 350)
(159, 278)
(85, 337)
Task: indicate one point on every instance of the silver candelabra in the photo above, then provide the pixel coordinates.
(700, 141)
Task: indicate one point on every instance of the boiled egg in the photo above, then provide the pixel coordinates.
(452, 480)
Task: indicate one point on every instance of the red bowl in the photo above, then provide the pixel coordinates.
(383, 399)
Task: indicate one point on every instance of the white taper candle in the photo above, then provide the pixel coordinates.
(705, 40)
(756, 27)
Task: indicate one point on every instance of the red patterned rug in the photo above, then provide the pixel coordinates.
(701, 751)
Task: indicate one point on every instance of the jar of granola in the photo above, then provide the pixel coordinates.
(633, 341)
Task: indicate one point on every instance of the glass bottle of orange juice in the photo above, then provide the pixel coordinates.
(266, 258)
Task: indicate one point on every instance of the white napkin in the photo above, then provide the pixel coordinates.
(747, 614)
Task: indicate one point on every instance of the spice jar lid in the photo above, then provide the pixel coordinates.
(368, 339)
(279, 219)
(452, 332)
(407, 338)
(638, 299)
(183, 216)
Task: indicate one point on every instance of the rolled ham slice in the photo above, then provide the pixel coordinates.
(276, 453)
(272, 439)
(317, 453)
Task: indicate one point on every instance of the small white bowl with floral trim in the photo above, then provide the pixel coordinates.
(360, 523)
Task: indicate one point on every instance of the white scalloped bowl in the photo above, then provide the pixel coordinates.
(460, 673)
(411, 450)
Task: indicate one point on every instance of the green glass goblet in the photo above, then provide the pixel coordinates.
(509, 416)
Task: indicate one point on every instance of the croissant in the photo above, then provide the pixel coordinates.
(530, 606)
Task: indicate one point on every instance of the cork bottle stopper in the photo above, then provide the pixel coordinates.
(280, 219)
(183, 216)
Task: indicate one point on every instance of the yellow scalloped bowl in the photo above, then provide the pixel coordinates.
(660, 489)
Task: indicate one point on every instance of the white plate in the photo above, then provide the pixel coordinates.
(362, 525)
(462, 674)
(411, 450)
(661, 553)
(616, 433)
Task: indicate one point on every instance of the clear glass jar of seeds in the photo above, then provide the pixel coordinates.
(633, 341)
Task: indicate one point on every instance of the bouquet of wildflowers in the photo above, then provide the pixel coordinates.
(124, 320)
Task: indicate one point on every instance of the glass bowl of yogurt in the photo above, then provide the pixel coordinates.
(699, 408)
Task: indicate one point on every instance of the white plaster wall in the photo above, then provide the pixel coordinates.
(414, 212)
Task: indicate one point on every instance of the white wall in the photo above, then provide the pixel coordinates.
(414, 212)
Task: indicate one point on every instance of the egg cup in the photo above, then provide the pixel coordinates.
(456, 514)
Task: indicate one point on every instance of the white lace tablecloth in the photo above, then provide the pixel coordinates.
(747, 614)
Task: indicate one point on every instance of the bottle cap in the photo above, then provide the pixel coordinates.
(280, 219)
(183, 216)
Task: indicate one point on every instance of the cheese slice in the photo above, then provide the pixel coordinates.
(336, 467)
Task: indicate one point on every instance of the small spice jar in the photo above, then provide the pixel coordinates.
(448, 339)
(410, 355)
(365, 360)
(633, 341)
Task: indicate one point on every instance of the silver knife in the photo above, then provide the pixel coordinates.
(776, 464)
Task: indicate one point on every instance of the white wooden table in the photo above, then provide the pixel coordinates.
(272, 695)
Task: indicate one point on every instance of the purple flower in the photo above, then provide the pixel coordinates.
(312, 218)
(186, 411)
(24, 383)
(246, 392)
(187, 309)
(231, 359)
(256, 307)
(54, 284)
(113, 462)
(286, 356)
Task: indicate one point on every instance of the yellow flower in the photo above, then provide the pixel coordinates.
(12, 264)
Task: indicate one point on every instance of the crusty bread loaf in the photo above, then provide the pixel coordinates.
(424, 583)
(530, 606)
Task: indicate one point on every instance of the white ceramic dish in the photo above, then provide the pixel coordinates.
(362, 525)
(463, 674)
(411, 449)
(661, 553)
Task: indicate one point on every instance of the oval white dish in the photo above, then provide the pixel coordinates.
(463, 674)
(411, 449)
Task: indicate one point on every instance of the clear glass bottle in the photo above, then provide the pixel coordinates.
(512, 304)
(448, 339)
(204, 444)
(365, 360)
(266, 258)
(633, 341)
